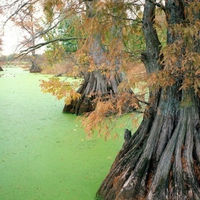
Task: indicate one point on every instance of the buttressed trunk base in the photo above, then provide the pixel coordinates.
(161, 161)
(34, 67)
(95, 84)
(162, 158)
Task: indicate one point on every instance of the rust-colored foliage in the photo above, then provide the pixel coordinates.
(183, 163)
(197, 170)
(101, 118)
(149, 181)
(60, 89)
(112, 45)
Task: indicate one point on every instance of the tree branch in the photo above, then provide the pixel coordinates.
(41, 33)
(160, 5)
(151, 56)
(19, 8)
(26, 51)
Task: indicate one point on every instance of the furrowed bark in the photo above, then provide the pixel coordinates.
(96, 83)
(140, 172)
(162, 159)
(152, 54)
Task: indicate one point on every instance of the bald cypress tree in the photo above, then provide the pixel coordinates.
(161, 160)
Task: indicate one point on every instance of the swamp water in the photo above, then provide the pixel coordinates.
(44, 154)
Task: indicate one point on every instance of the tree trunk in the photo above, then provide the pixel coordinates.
(99, 82)
(162, 158)
(34, 67)
(94, 84)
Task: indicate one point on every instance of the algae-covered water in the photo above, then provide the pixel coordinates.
(44, 154)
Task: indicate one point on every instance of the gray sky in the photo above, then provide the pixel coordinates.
(11, 39)
(13, 35)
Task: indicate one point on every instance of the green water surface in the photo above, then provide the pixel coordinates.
(44, 154)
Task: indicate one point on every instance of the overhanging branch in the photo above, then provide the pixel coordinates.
(32, 48)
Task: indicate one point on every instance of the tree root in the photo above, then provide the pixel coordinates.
(149, 168)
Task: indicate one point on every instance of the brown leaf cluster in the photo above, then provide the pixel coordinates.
(60, 89)
(106, 108)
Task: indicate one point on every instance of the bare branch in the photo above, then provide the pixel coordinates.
(32, 48)
(17, 11)
(41, 33)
